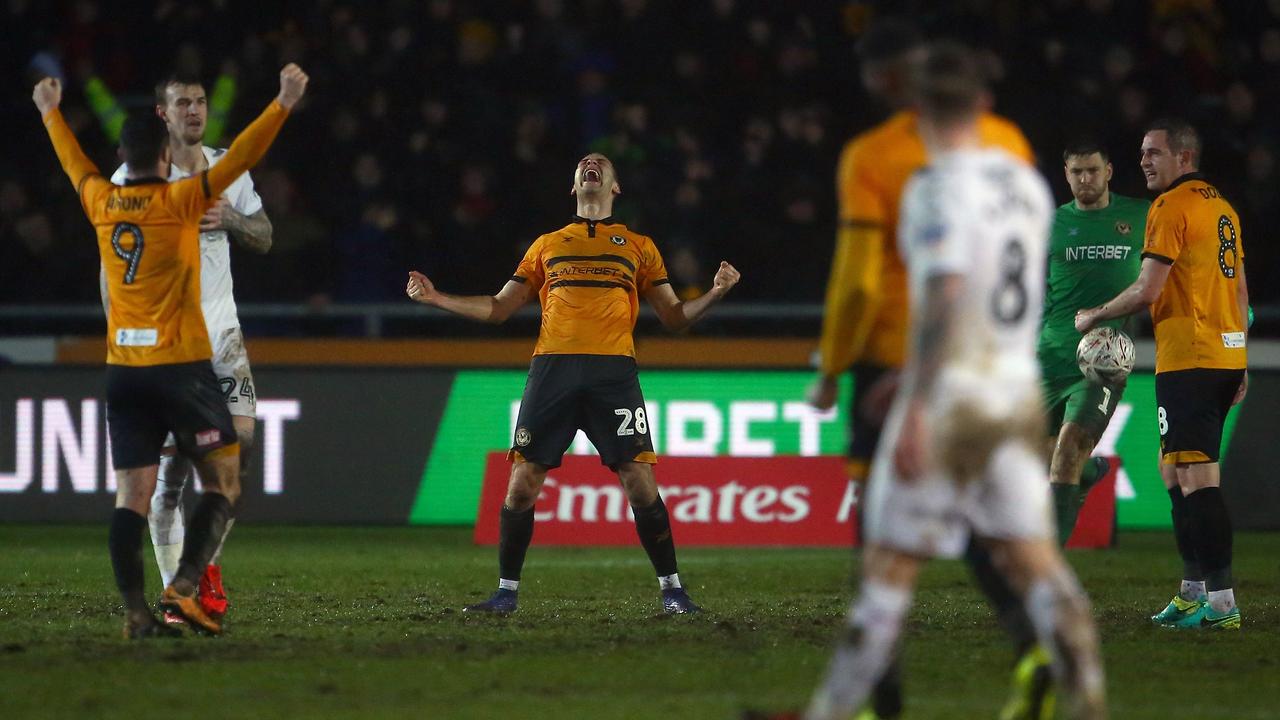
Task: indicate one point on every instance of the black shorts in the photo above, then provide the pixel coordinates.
(864, 434)
(599, 394)
(1191, 408)
(144, 404)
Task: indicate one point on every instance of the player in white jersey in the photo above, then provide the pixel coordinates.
(961, 450)
(182, 104)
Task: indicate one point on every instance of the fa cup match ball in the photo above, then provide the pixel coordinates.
(1105, 355)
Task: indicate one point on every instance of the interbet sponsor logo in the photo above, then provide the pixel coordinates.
(785, 500)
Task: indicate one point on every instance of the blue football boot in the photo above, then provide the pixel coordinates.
(675, 601)
(502, 602)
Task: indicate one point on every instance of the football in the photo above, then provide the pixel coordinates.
(1105, 355)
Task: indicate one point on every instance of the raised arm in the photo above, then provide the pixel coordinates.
(252, 144)
(677, 314)
(484, 308)
(47, 96)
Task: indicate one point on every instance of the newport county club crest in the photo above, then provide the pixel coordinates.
(1123, 227)
(523, 437)
(618, 240)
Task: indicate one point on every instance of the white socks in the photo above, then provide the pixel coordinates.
(1191, 590)
(1060, 613)
(505, 584)
(217, 554)
(1222, 601)
(863, 653)
(165, 518)
(669, 582)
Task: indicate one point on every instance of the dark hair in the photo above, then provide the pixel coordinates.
(142, 140)
(949, 83)
(174, 78)
(1181, 136)
(1084, 147)
(888, 39)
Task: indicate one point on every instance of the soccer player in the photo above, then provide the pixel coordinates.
(588, 277)
(1194, 282)
(864, 325)
(961, 446)
(159, 376)
(182, 104)
(1094, 252)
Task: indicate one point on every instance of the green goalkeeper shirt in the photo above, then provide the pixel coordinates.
(1093, 255)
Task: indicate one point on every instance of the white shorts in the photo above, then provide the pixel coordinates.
(231, 366)
(235, 378)
(933, 515)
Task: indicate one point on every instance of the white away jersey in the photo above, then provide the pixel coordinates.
(983, 215)
(216, 298)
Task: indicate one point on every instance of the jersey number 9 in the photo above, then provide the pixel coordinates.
(133, 255)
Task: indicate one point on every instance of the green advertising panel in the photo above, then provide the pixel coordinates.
(741, 413)
(1141, 500)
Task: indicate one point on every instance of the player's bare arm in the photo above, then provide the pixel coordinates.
(677, 314)
(1140, 294)
(252, 143)
(483, 308)
(251, 232)
(933, 330)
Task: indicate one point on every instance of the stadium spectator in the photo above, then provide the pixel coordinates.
(739, 93)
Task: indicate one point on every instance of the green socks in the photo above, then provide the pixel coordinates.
(1093, 471)
(1067, 500)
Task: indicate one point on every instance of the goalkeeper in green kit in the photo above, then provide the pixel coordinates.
(1095, 251)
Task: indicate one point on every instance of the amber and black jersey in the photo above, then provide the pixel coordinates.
(589, 276)
(1197, 318)
(148, 237)
(865, 319)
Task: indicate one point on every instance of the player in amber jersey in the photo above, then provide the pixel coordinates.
(1094, 253)
(960, 457)
(1193, 280)
(239, 215)
(159, 376)
(589, 277)
(864, 325)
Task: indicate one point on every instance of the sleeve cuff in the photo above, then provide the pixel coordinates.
(1158, 257)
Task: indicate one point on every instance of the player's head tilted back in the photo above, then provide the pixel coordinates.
(886, 53)
(595, 177)
(144, 146)
(1170, 149)
(949, 89)
(182, 104)
(1088, 169)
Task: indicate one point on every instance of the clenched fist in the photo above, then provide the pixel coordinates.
(293, 83)
(726, 277)
(47, 95)
(420, 288)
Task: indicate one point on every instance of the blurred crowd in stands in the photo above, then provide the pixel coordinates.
(442, 134)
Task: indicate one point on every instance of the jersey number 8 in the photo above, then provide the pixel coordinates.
(1009, 300)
